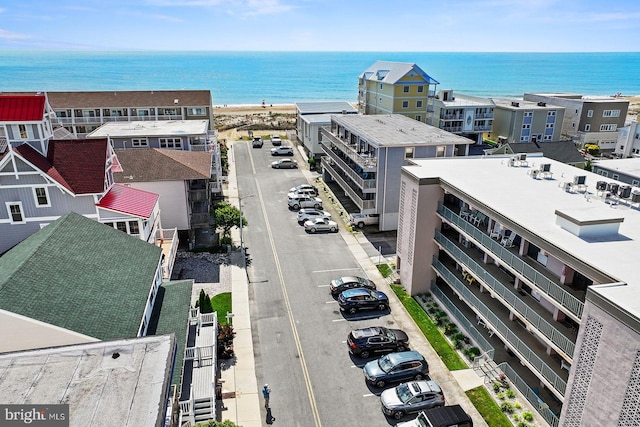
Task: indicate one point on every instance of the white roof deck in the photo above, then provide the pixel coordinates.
(532, 203)
(322, 107)
(151, 128)
(128, 390)
(629, 166)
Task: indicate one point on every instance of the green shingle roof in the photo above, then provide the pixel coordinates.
(80, 275)
(171, 315)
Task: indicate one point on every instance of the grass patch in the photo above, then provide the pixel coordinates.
(487, 407)
(221, 304)
(385, 270)
(439, 343)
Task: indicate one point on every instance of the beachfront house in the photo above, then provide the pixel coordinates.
(397, 88)
(364, 154)
(82, 112)
(182, 179)
(588, 119)
(516, 120)
(464, 115)
(628, 143)
(25, 119)
(311, 116)
(535, 267)
(187, 135)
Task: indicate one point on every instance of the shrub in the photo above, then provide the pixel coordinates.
(515, 417)
(517, 405)
(506, 407)
(433, 310)
(496, 385)
(441, 313)
(204, 302)
(528, 416)
(501, 396)
(474, 352)
(450, 329)
(511, 394)
(522, 424)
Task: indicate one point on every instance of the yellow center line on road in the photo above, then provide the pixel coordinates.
(283, 287)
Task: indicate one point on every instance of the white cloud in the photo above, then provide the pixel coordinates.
(8, 35)
(236, 7)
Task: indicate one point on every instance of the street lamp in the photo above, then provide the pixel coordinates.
(240, 199)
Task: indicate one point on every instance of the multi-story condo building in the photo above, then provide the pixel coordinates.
(588, 119)
(310, 116)
(468, 116)
(83, 112)
(397, 88)
(626, 171)
(564, 151)
(516, 120)
(536, 261)
(363, 155)
(628, 143)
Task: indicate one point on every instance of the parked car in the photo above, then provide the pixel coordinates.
(395, 368)
(443, 416)
(320, 224)
(341, 284)
(276, 140)
(309, 193)
(284, 164)
(376, 339)
(257, 142)
(305, 202)
(307, 213)
(411, 397)
(304, 187)
(282, 151)
(360, 220)
(353, 300)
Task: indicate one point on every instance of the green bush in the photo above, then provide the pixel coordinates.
(474, 352)
(517, 405)
(511, 394)
(506, 407)
(433, 310)
(204, 302)
(527, 415)
(501, 395)
(515, 417)
(450, 329)
(522, 424)
(496, 385)
(385, 270)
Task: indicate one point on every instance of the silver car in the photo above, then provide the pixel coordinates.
(306, 214)
(305, 202)
(301, 187)
(284, 164)
(414, 396)
(320, 224)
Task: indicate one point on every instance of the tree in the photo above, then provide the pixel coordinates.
(214, 423)
(204, 302)
(227, 217)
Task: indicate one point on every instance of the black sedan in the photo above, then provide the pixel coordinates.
(353, 300)
(376, 339)
(341, 284)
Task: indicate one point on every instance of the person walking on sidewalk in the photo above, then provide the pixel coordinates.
(266, 391)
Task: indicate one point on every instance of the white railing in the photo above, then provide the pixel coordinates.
(364, 184)
(162, 237)
(362, 204)
(3, 144)
(364, 161)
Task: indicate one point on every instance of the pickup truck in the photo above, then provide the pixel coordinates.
(360, 220)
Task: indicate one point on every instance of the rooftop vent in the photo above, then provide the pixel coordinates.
(515, 104)
(542, 104)
(176, 101)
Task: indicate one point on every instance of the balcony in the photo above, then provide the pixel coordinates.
(3, 144)
(167, 240)
(451, 128)
(363, 184)
(198, 191)
(367, 162)
(484, 128)
(491, 312)
(529, 273)
(483, 116)
(561, 338)
(366, 206)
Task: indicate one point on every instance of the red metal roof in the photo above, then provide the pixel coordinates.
(21, 108)
(78, 165)
(129, 200)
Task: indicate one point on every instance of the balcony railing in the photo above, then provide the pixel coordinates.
(167, 240)
(366, 162)
(462, 321)
(527, 355)
(104, 119)
(200, 219)
(364, 205)
(364, 184)
(483, 116)
(481, 128)
(452, 128)
(514, 303)
(3, 144)
(532, 276)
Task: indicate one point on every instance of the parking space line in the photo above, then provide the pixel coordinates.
(323, 286)
(368, 395)
(331, 302)
(339, 320)
(336, 269)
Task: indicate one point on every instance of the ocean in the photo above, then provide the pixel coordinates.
(288, 77)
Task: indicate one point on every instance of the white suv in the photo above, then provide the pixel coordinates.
(282, 151)
(305, 202)
(305, 214)
(360, 220)
(275, 140)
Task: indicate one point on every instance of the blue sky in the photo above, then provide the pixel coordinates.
(323, 25)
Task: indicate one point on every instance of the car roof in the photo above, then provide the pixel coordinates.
(352, 279)
(424, 386)
(367, 332)
(404, 356)
(356, 292)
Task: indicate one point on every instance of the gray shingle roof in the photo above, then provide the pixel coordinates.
(80, 275)
(155, 164)
(130, 98)
(391, 72)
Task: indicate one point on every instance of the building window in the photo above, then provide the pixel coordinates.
(420, 89)
(589, 113)
(405, 104)
(405, 89)
(611, 113)
(170, 143)
(551, 113)
(528, 114)
(15, 212)
(122, 226)
(419, 118)
(526, 126)
(134, 228)
(524, 138)
(23, 131)
(198, 111)
(142, 112)
(441, 151)
(587, 128)
(635, 183)
(418, 104)
(42, 197)
(408, 152)
(380, 86)
(548, 137)
(615, 176)
(549, 125)
(608, 128)
(139, 142)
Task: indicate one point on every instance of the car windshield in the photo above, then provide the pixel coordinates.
(404, 393)
(385, 363)
(390, 334)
